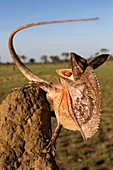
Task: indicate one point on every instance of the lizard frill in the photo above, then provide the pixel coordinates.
(83, 100)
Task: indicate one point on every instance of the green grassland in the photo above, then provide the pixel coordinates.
(73, 153)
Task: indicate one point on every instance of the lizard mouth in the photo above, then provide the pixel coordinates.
(65, 73)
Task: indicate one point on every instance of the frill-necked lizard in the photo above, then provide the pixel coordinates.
(75, 96)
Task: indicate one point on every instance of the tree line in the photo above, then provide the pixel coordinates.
(55, 58)
(65, 57)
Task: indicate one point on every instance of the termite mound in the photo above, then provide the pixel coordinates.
(25, 129)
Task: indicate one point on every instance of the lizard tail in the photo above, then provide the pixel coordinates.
(27, 73)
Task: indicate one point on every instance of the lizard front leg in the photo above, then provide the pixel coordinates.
(54, 136)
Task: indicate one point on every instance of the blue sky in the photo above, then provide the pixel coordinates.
(84, 38)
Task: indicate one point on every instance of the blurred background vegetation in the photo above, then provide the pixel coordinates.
(55, 58)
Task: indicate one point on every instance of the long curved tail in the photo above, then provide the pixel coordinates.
(27, 73)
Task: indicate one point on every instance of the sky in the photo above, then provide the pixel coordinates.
(83, 38)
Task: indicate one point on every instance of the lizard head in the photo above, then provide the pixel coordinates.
(78, 64)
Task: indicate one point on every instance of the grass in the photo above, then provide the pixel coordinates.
(73, 152)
